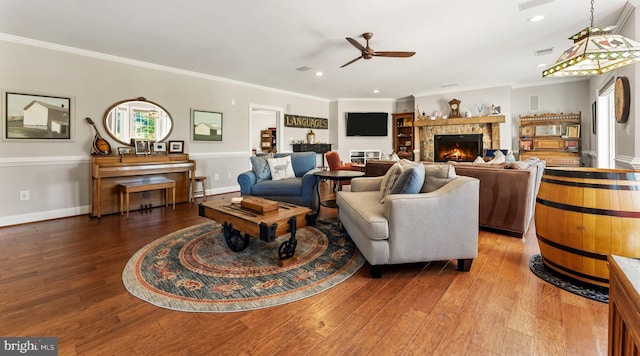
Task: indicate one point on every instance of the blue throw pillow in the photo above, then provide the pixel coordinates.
(261, 167)
(410, 181)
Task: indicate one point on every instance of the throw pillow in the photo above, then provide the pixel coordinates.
(261, 167)
(410, 181)
(499, 157)
(388, 180)
(436, 176)
(281, 168)
(479, 160)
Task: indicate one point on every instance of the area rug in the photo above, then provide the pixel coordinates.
(600, 294)
(194, 270)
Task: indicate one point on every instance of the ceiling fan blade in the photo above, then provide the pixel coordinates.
(393, 54)
(346, 64)
(356, 44)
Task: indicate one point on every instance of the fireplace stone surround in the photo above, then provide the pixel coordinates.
(488, 126)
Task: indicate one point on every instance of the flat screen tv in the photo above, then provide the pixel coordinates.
(367, 123)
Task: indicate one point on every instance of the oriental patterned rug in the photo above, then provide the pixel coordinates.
(600, 294)
(194, 270)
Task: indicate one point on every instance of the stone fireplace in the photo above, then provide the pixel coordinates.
(487, 126)
(461, 148)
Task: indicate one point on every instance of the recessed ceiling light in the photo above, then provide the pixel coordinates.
(376, 91)
(541, 65)
(319, 74)
(536, 18)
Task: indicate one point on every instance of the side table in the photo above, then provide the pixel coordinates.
(334, 176)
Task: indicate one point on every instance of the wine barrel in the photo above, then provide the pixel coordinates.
(585, 214)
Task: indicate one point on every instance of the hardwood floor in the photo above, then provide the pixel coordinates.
(62, 278)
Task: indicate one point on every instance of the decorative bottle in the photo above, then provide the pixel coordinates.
(311, 137)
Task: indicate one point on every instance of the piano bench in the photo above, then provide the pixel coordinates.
(144, 186)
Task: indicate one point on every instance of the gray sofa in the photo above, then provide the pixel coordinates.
(300, 190)
(438, 223)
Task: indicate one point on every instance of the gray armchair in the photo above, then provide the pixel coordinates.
(433, 225)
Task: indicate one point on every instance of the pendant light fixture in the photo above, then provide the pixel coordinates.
(595, 50)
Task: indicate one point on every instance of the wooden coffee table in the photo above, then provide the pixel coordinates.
(240, 224)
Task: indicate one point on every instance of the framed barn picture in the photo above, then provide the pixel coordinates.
(206, 125)
(37, 117)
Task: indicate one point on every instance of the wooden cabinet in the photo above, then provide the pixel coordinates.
(624, 305)
(362, 156)
(268, 140)
(403, 135)
(554, 138)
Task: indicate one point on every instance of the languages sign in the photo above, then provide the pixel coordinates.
(305, 122)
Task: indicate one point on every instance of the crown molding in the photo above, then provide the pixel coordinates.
(133, 62)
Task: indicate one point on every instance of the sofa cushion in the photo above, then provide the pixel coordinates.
(281, 168)
(261, 167)
(366, 212)
(388, 180)
(284, 187)
(436, 176)
(410, 180)
(302, 162)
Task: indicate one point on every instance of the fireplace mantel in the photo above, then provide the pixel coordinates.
(461, 121)
(488, 126)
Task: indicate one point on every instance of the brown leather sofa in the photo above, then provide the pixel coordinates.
(507, 191)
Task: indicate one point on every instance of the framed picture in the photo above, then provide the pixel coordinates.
(176, 146)
(142, 147)
(207, 125)
(124, 150)
(573, 131)
(37, 117)
(160, 147)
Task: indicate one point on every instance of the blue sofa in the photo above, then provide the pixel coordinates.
(300, 190)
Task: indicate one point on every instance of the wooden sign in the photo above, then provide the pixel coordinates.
(306, 122)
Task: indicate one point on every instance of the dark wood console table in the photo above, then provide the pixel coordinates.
(108, 172)
(320, 148)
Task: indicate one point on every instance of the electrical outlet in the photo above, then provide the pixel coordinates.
(24, 195)
(216, 176)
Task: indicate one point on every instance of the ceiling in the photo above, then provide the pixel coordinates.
(460, 44)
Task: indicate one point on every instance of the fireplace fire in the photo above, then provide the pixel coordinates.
(461, 148)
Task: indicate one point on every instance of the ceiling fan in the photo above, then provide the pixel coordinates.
(368, 52)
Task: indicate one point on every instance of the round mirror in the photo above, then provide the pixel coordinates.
(137, 119)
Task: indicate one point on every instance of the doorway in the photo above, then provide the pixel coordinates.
(605, 127)
(263, 117)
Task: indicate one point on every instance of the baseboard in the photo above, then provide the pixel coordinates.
(80, 210)
(43, 215)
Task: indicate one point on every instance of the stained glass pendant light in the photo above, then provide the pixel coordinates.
(595, 50)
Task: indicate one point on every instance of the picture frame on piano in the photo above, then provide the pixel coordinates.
(176, 147)
(142, 147)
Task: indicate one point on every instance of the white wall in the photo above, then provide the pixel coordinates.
(384, 144)
(57, 173)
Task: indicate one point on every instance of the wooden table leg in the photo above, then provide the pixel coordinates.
(127, 194)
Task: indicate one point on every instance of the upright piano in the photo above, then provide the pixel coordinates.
(107, 172)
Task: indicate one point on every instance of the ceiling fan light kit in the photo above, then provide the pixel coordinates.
(368, 52)
(595, 50)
